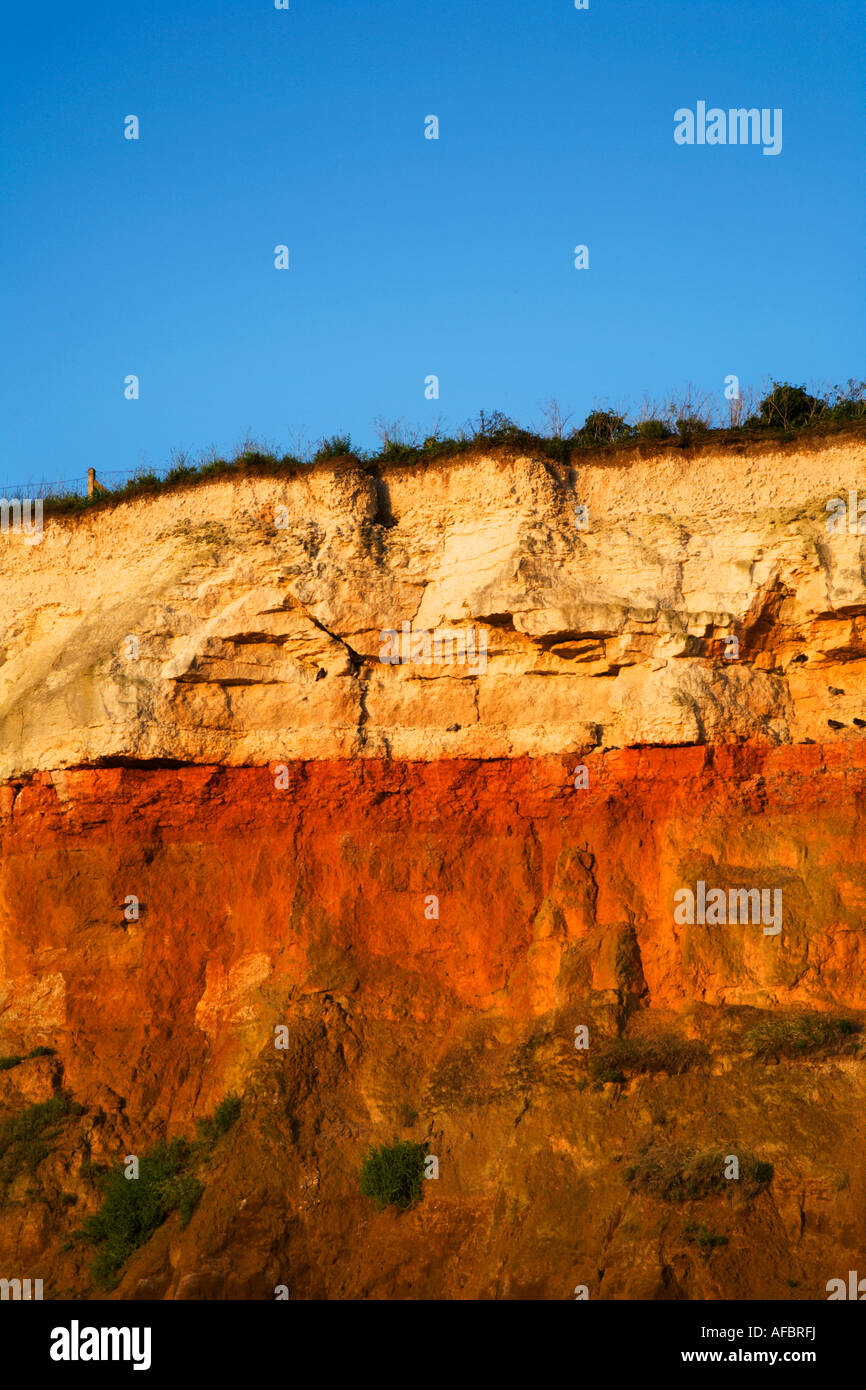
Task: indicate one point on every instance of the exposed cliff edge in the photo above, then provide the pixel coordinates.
(193, 711)
(256, 607)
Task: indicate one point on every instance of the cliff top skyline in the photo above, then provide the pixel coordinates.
(287, 221)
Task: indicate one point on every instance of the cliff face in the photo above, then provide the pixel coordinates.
(240, 623)
(434, 872)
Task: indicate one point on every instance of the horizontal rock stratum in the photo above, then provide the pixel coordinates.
(257, 606)
(194, 712)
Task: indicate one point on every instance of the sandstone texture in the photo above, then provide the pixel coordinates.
(254, 609)
(283, 804)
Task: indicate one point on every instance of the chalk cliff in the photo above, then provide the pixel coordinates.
(194, 713)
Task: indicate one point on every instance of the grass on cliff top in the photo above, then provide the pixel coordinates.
(133, 1208)
(393, 1174)
(619, 1058)
(784, 413)
(674, 1176)
(803, 1035)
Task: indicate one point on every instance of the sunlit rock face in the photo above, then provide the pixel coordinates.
(249, 785)
(696, 599)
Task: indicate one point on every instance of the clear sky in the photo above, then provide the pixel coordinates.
(409, 256)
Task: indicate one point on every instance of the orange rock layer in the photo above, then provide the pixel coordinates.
(432, 934)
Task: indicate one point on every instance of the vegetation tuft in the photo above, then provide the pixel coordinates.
(674, 1176)
(701, 1236)
(338, 446)
(620, 1058)
(7, 1063)
(801, 1035)
(133, 1208)
(25, 1138)
(225, 1115)
(393, 1174)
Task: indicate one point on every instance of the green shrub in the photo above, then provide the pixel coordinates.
(214, 467)
(187, 1193)
(226, 1113)
(795, 1037)
(338, 446)
(689, 425)
(7, 1063)
(24, 1138)
(392, 1174)
(761, 1172)
(847, 410)
(652, 429)
(788, 406)
(395, 451)
(603, 427)
(849, 403)
(608, 1076)
(496, 428)
(181, 473)
(255, 458)
(133, 1208)
(701, 1236)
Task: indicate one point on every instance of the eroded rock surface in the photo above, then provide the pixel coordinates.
(240, 622)
(283, 805)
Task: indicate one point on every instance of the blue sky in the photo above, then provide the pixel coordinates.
(409, 256)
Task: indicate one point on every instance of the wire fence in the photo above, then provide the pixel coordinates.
(62, 487)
